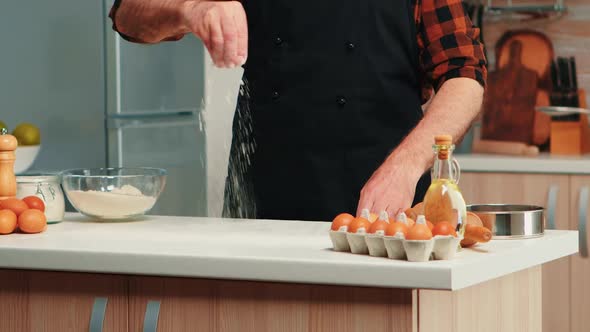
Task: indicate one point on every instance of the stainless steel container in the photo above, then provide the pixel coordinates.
(508, 221)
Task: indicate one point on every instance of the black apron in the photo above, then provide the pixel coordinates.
(333, 87)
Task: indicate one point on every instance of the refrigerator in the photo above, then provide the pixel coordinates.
(102, 101)
(153, 115)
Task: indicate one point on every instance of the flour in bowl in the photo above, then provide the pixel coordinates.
(120, 202)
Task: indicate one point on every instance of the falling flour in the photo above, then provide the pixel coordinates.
(120, 202)
(239, 196)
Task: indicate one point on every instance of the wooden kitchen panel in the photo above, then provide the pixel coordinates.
(54, 301)
(508, 304)
(570, 33)
(580, 273)
(13, 298)
(241, 306)
(514, 188)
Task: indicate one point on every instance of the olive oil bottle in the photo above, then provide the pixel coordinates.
(443, 200)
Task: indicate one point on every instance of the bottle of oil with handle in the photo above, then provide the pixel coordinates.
(443, 200)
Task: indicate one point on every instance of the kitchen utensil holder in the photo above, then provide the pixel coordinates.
(571, 137)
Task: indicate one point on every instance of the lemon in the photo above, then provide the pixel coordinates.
(27, 134)
(3, 125)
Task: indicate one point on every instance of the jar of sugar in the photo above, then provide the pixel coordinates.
(48, 188)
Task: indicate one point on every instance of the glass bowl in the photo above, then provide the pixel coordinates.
(113, 193)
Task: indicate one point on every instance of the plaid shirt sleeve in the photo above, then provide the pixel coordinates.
(449, 44)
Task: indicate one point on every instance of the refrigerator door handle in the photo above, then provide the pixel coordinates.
(155, 119)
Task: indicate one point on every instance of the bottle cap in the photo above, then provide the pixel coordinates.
(443, 139)
(443, 143)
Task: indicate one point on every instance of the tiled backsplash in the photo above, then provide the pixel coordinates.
(569, 33)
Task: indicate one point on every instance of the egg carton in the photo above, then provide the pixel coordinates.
(440, 247)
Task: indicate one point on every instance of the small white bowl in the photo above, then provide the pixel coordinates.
(25, 157)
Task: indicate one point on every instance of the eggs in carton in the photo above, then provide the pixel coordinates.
(393, 239)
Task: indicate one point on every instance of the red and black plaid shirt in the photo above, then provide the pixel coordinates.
(448, 41)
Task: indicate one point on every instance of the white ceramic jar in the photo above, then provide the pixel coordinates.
(46, 187)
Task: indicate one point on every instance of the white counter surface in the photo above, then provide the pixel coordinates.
(544, 163)
(282, 251)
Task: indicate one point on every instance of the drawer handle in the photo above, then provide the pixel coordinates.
(99, 309)
(150, 321)
(552, 206)
(582, 221)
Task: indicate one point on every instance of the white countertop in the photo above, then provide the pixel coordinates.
(282, 251)
(544, 163)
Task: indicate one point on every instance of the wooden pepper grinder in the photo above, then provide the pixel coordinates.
(8, 145)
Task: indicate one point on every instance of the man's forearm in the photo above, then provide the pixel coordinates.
(452, 110)
(151, 21)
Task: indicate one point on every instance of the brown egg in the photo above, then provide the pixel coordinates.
(32, 221)
(395, 227)
(359, 223)
(420, 230)
(343, 219)
(379, 225)
(7, 221)
(15, 205)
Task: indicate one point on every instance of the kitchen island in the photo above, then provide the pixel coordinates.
(562, 185)
(204, 274)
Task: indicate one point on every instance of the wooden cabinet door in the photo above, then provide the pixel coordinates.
(61, 302)
(244, 306)
(534, 189)
(580, 272)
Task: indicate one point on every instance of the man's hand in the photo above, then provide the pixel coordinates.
(451, 111)
(391, 188)
(223, 28)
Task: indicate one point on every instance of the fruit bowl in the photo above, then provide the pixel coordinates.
(25, 157)
(113, 193)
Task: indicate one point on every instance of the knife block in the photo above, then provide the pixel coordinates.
(571, 137)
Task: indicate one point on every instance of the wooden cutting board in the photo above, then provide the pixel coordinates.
(537, 53)
(509, 105)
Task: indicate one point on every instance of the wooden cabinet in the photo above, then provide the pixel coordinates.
(48, 301)
(227, 306)
(580, 268)
(53, 301)
(512, 188)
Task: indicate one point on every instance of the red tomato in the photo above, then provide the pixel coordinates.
(15, 205)
(34, 202)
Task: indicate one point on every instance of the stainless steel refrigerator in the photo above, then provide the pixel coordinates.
(154, 97)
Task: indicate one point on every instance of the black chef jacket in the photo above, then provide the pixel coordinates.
(332, 87)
